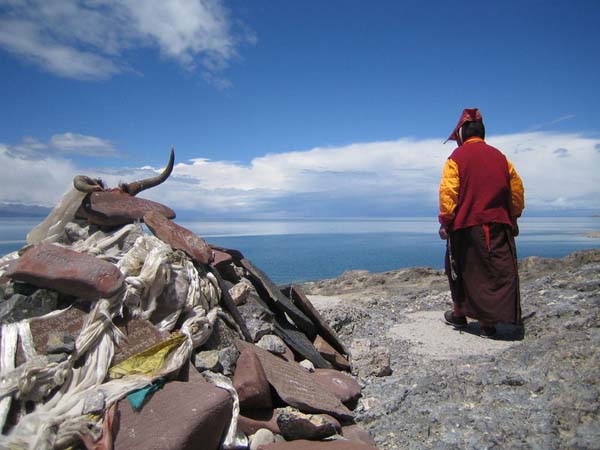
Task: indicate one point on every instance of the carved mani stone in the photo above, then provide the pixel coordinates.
(140, 334)
(250, 382)
(113, 208)
(50, 266)
(180, 416)
(178, 237)
(296, 386)
(341, 385)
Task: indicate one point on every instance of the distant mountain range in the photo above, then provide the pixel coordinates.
(20, 210)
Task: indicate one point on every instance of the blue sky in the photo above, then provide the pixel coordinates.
(297, 109)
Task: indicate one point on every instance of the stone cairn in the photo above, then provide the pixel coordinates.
(113, 337)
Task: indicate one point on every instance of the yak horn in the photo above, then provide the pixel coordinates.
(87, 184)
(136, 187)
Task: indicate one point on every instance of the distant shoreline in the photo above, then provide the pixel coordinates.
(592, 234)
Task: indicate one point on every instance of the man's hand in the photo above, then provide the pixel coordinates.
(443, 232)
(515, 227)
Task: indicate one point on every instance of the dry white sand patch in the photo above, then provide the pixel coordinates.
(321, 302)
(430, 336)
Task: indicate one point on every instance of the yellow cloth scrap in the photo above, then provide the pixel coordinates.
(150, 361)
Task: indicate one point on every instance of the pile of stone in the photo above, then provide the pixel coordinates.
(113, 337)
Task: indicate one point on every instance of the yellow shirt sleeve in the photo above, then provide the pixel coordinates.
(449, 187)
(517, 203)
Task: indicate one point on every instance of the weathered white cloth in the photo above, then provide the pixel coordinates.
(52, 227)
(153, 273)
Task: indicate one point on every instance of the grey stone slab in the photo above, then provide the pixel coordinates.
(271, 293)
(298, 342)
(231, 307)
(296, 294)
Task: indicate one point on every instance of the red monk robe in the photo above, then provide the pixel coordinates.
(481, 197)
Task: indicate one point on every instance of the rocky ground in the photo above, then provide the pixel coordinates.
(450, 389)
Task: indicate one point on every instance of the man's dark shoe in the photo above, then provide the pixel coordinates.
(488, 332)
(451, 319)
(519, 332)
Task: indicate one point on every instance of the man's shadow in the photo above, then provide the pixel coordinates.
(504, 331)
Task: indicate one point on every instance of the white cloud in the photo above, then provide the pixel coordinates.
(567, 179)
(88, 39)
(65, 143)
(33, 181)
(84, 145)
(389, 178)
(29, 148)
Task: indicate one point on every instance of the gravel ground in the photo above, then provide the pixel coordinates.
(455, 390)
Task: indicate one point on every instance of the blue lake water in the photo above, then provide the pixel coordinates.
(303, 250)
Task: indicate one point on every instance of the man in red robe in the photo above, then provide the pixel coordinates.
(481, 197)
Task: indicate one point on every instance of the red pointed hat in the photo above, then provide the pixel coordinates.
(468, 115)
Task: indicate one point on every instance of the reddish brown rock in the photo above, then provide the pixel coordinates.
(356, 433)
(250, 382)
(296, 425)
(296, 386)
(221, 258)
(66, 271)
(113, 208)
(343, 386)
(250, 421)
(178, 237)
(316, 445)
(235, 254)
(331, 354)
(180, 416)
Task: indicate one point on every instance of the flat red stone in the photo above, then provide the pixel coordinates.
(249, 422)
(339, 384)
(250, 382)
(180, 416)
(178, 237)
(221, 257)
(331, 354)
(113, 208)
(295, 385)
(50, 266)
